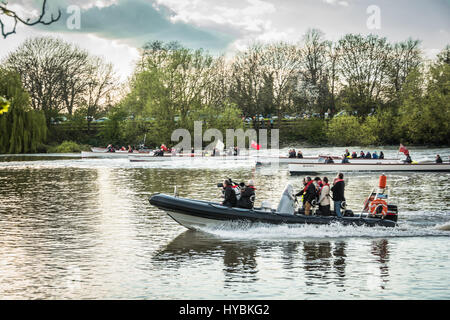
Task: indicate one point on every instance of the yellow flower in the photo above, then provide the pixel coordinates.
(4, 105)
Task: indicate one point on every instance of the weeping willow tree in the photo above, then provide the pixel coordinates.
(22, 129)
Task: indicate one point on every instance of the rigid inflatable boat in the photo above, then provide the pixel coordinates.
(195, 214)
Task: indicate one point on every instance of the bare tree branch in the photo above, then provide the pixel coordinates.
(41, 20)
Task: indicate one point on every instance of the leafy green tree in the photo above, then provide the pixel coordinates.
(22, 129)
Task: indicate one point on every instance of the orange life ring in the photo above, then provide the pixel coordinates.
(373, 206)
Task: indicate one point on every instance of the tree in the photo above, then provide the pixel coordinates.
(22, 129)
(4, 11)
(404, 57)
(282, 65)
(364, 70)
(313, 87)
(60, 76)
(248, 85)
(4, 105)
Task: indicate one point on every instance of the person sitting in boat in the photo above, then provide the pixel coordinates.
(299, 155)
(345, 159)
(229, 194)
(247, 199)
(338, 193)
(354, 155)
(362, 155)
(324, 198)
(438, 159)
(110, 148)
(375, 155)
(347, 153)
(292, 153)
(123, 149)
(368, 155)
(381, 156)
(329, 160)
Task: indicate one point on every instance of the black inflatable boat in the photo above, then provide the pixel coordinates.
(194, 214)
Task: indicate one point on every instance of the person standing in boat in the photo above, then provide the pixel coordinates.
(310, 195)
(247, 199)
(338, 193)
(324, 198)
(229, 194)
(306, 182)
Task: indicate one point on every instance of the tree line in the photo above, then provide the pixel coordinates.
(370, 90)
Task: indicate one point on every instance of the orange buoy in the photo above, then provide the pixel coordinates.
(383, 181)
(377, 204)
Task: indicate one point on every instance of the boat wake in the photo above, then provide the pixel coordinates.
(288, 232)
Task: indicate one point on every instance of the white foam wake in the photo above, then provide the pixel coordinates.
(285, 232)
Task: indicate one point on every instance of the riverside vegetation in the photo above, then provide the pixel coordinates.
(360, 90)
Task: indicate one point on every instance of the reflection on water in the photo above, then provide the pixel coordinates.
(81, 229)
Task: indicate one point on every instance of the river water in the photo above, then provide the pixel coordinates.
(73, 228)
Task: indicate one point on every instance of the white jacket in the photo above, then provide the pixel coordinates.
(287, 201)
(324, 197)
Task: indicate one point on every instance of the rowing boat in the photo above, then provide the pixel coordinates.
(319, 159)
(298, 168)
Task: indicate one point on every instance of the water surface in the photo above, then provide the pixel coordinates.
(83, 229)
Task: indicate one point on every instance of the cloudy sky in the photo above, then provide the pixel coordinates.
(116, 29)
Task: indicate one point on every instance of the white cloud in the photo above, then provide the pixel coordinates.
(249, 15)
(334, 2)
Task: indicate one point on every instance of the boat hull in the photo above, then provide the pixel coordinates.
(295, 168)
(316, 160)
(195, 214)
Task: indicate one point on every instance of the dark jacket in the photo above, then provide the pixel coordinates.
(247, 199)
(438, 160)
(310, 194)
(230, 197)
(338, 191)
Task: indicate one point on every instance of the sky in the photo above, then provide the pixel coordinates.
(116, 29)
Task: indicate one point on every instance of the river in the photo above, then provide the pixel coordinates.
(73, 228)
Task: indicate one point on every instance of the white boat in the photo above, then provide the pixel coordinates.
(298, 168)
(182, 157)
(306, 160)
(112, 155)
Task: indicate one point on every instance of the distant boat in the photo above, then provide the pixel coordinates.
(298, 168)
(263, 160)
(181, 157)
